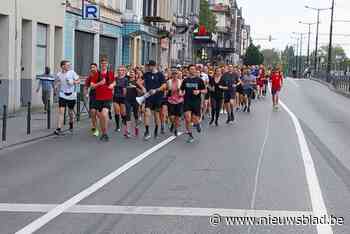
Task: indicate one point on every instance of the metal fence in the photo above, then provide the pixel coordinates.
(339, 80)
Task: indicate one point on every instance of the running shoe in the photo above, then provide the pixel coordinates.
(58, 132)
(117, 129)
(190, 139)
(95, 132)
(147, 136)
(104, 138)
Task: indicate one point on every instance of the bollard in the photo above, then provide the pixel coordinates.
(4, 123)
(29, 117)
(78, 107)
(65, 116)
(48, 114)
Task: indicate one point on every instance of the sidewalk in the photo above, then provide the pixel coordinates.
(17, 127)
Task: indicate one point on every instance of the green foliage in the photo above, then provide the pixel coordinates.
(253, 56)
(271, 57)
(207, 17)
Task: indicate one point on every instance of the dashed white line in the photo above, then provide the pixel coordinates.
(58, 210)
(318, 204)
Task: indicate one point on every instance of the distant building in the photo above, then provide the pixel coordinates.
(185, 19)
(31, 38)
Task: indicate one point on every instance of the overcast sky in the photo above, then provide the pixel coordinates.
(280, 18)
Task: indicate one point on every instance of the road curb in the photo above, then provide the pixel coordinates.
(332, 88)
(31, 140)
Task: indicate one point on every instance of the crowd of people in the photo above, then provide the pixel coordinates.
(190, 93)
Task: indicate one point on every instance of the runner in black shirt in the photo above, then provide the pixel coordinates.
(216, 85)
(193, 87)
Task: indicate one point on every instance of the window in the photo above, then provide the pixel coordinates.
(192, 6)
(129, 4)
(155, 7)
(41, 49)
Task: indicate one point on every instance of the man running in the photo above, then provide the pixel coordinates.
(230, 78)
(175, 100)
(193, 86)
(65, 83)
(103, 84)
(248, 80)
(91, 94)
(276, 86)
(154, 83)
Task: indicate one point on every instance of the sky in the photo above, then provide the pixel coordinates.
(279, 18)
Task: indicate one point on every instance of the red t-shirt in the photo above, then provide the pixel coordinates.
(276, 81)
(103, 92)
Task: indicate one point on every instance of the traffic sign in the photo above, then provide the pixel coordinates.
(90, 11)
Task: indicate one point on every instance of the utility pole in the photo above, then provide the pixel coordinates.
(317, 31)
(329, 64)
(308, 42)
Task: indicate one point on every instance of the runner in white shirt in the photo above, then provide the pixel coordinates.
(65, 84)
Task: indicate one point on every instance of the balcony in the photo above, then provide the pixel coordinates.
(220, 8)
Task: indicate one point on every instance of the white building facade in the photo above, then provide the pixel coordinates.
(31, 38)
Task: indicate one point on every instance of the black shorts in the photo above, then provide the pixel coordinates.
(66, 103)
(239, 89)
(228, 96)
(153, 104)
(175, 109)
(164, 101)
(248, 92)
(100, 105)
(194, 107)
(131, 106)
(92, 104)
(207, 96)
(119, 100)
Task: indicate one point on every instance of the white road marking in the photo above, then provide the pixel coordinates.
(58, 210)
(318, 205)
(152, 210)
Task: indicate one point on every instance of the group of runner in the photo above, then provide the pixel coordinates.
(193, 92)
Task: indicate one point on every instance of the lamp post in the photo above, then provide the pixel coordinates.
(308, 41)
(317, 29)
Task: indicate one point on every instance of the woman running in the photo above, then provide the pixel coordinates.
(133, 90)
(216, 87)
(119, 98)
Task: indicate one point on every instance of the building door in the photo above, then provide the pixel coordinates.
(108, 48)
(84, 52)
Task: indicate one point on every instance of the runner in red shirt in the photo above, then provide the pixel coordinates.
(103, 84)
(91, 94)
(260, 81)
(276, 85)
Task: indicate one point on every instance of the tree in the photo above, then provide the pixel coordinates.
(207, 17)
(338, 56)
(271, 57)
(253, 56)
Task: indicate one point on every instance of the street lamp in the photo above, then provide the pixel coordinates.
(318, 24)
(308, 42)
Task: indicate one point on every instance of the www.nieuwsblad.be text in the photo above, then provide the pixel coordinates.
(303, 220)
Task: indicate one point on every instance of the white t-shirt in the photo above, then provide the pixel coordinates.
(67, 87)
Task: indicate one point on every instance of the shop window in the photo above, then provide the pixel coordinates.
(41, 49)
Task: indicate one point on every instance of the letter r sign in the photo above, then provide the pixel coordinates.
(91, 11)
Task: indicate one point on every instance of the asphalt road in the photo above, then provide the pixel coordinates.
(255, 167)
